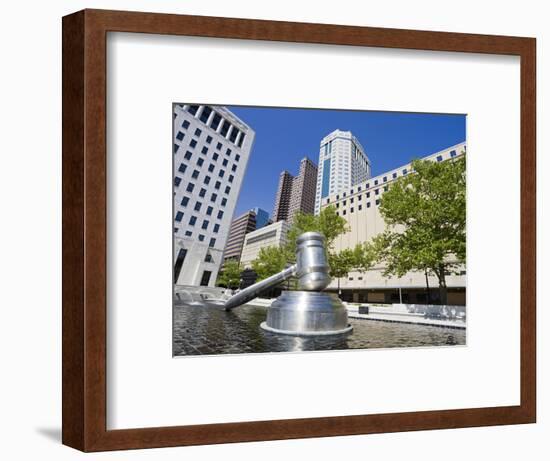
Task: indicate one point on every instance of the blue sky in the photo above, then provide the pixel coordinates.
(284, 136)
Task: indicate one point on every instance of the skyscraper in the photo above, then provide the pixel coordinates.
(211, 150)
(242, 225)
(342, 164)
(296, 193)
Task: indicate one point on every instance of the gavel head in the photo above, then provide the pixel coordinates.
(312, 267)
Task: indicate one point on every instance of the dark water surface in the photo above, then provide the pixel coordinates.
(210, 330)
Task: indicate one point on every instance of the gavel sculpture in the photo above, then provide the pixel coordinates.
(308, 311)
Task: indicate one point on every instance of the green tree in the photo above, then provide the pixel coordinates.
(230, 275)
(340, 265)
(426, 217)
(270, 261)
(327, 222)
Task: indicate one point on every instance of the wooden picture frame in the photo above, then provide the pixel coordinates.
(85, 222)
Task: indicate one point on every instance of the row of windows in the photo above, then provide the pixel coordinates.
(191, 187)
(360, 196)
(404, 172)
(215, 123)
(359, 208)
(198, 205)
(211, 243)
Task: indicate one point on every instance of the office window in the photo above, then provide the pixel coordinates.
(360, 207)
(185, 125)
(376, 191)
(337, 205)
(344, 203)
(220, 214)
(228, 152)
(359, 189)
(404, 171)
(204, 224)
(188, 155)
(195, 174)
(211, 167)
(180, 135)
(202, 193)
(241, 140)
(225, 128)
(193, 143)
(201, 238)
(233, 135)
(190, 187)
(188, 233)
(179, 216)
(227, 189)
(193, 220)
(206, 111)
(377, 202)
(175, 228)
(453, 153)
(385, 179)
(212, 242)
(215, 157)
(221, 173)
(351, 191)
(209, 210)
(394, 175)
(224, 163)
(234, 168)
(204, 150)
(376, 182)
(216, 228)
(231, 178)
(368, 204)
(367, 186)
(351, 200)
(351, 210)
(208, 258)
(237, 157)
(198, 132)
(344, 212)
(359, 197)
(200, 161)
(198, 206)
(213, 197)
(224, 201)
(439, 158)
(218, 184)
(337, 197)
(176, 147)
(385, 188)
(219, 146)
(192, 109)
(207, 180)
(177, 181)
(185, 201)
(216, 121)
(208, 139)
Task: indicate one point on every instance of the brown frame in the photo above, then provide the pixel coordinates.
(85, 245)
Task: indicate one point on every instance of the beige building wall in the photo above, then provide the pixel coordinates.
(358, 206)
(272, 235)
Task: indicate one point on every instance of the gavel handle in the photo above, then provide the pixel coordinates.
(253, 291)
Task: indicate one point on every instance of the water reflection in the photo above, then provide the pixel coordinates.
(211, 330)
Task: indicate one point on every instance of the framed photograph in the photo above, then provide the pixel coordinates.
(279, 230)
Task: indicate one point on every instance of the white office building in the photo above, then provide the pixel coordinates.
(273, 235)
(342, 164)
(211, 151)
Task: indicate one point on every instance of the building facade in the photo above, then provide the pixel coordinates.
(211, 151)
(270, 235)
(296, 193)
(242, 225)
(342, 164)
(358, 205)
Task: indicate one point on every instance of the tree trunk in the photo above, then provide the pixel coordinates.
(339, 291)
(427, 287)
(442, 285)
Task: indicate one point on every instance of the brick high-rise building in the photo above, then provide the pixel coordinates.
(247, 222)
(296, 193)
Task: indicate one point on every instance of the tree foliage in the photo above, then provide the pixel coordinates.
(426, 217)
(230, 275)
(270, 261)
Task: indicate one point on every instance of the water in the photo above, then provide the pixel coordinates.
(209, 330)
